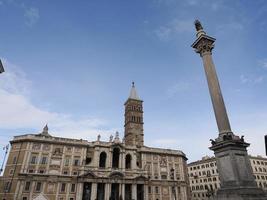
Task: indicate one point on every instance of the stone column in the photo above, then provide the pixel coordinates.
(94, 191)
(235, 172)
(146, 192)
(123, 160)
(123, 191)
(204, 45)
(79, 191)
(216, 95)
(107, 191)
(134, 191)
(110, 157)
(171, 195)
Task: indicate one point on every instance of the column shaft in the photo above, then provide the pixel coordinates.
(94, 191)
(123, 191)
(134, 191)
(107, 191)
(216, 95)
(146, 192)
(79, 192)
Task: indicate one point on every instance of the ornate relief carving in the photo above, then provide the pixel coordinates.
(163, 161)
(204, 46)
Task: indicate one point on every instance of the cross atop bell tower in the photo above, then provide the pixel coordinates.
(133, 123)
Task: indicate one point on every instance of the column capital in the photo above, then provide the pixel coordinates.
(203, 45)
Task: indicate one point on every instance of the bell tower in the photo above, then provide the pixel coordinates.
(133, 119)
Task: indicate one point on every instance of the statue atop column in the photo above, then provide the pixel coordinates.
(198, 25)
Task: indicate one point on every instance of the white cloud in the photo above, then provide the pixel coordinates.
(207, 4)
(180, 26)
(31, 16)
(173, 28)
(14, 80)
(263, 63)
(251, 79)
(18, 112)
(176, 88)
(243, 78)
(229, 27)
(163, 33)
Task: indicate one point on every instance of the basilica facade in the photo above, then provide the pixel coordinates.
(42, 166)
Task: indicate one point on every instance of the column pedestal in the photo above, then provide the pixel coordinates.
(235, 172)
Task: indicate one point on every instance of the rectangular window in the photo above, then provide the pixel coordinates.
(67, 162)
(33, 160)
(73, 186)
(11, 171)
(63, 186)
(65, 172)
(24, 198)
(43, 160)
(46, 147)
(7, 186)
(38, 186)
(41, 171)
(156, 189)
(76, 162)
(27, 186)
(14, 160)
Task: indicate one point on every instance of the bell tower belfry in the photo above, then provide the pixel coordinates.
(133, 119)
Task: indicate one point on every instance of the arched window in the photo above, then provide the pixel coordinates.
(116, 158)
(128, 161)
(102, 160)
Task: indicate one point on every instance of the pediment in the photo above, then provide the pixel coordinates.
(89, 174)
(116, 174)
(40, 197)
(141, 178)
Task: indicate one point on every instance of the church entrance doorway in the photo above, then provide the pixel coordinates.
(100, 191)
(128, 192)
(140, 192)
(115, 192)
(87, 187)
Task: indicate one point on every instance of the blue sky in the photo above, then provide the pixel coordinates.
(71, 63)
